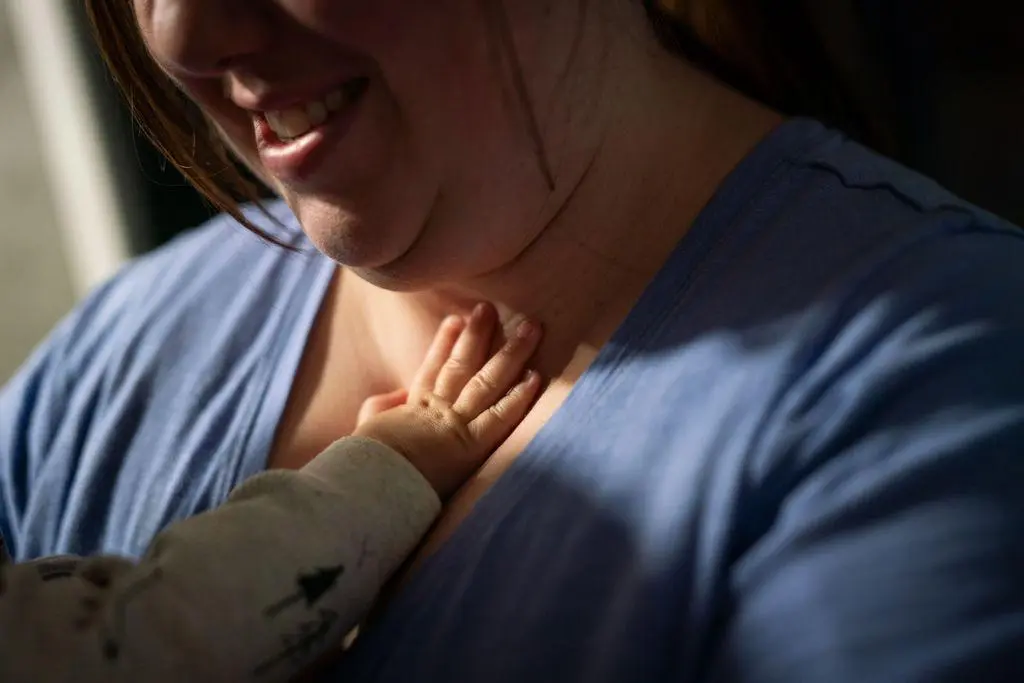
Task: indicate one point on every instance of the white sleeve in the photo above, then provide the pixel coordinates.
(255, 590)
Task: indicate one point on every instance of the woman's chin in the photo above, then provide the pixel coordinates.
(395, 270)
(386, 278)
(347, 251)
(365, 251)
(346, 240)
(355, 239)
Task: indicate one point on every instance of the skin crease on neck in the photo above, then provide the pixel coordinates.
(648, 143)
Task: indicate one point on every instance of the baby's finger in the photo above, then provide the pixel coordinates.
(494, 425)
(440, 350)
(468, 355)
(500, 372)
(375, 405)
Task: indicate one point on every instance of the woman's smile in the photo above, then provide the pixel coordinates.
(293, 141)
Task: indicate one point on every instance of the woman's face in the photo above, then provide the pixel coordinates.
(393, 128)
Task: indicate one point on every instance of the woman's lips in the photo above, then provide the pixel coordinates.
(297, 160)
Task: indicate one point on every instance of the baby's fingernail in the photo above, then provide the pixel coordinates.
(479, 310)
(526, 329)
(532, 377)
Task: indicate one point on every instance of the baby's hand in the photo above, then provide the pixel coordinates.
(461, 405)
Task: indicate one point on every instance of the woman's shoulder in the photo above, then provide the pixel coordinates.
(214, 275)
(855, 300)
(189, 339)
(222, 251)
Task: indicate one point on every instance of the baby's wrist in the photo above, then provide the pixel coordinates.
(383, 439)
(402, 449)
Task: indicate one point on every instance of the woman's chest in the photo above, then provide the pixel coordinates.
(317, 416)
(573, 565)
(338, 373)
(464, 501)
(599, 550)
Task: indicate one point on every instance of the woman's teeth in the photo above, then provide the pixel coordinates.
(294, 122)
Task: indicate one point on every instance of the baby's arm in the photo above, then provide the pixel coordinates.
(268, 583)
(249, 591)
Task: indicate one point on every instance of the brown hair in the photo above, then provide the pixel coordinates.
(768, 49)
(175, 126)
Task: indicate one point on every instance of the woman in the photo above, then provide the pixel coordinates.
(782, 439)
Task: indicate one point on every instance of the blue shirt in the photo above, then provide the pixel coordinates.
(800, 458)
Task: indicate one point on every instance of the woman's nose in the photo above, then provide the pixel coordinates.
(204, 37)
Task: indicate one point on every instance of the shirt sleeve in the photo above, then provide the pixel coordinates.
(31, 405)
(893, 508)
(257, 589)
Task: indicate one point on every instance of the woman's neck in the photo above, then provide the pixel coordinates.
(663, 150)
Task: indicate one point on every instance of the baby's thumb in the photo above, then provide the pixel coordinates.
(375, 405)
